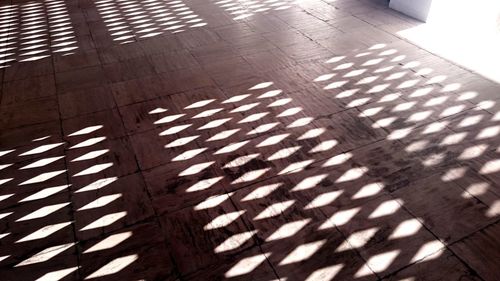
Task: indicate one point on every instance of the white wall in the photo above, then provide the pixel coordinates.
(418, 9)
(463, 31)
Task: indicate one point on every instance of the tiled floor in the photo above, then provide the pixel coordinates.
(240, 140)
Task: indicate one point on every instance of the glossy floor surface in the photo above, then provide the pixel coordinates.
(240, 140)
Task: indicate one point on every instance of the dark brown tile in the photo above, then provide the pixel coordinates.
(76, 61)
(80, 79)
(29, 113)
(142, 89)
(22, 91)
(439, 204)
(479, 252)
(82, 102)
(25, 70)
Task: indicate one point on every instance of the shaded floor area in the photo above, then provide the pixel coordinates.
(240, 140)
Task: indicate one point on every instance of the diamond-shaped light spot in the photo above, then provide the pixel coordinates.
(300, 122)
(335, 85)
(303, 252)
(169, 119)
(231, 147)
(280, 102)
(223, 220)
(326, 273)
(347, 93)
(199, 104)
(246, 265)
(313, 133)
(352, 174)
(274, 210)
(354, 73)
(283, 153)
(288, 230)
(309, 182)
(272, 140)
(174, 130)
(43, 212)
(195, 169)
(189, 154)
(290, 112)
(4, 215)
(323, 199)
(261, 86)
(386, 208)
(204, 184)
(324, 146)
(5, 152)
(94, 169)
(214, 124)
(113, 266)
(105, 220)
(223, 135)
(181, 141)
(373, 62)
(158, 110)
(212, 201)
(368, 190)
(46, 254)
(251, 176)
(41, 149)
(245, 107)
(85, 131)
(296, 167)
(88, 142)
(43, 177)
(240, 161)
(236, 98)
(324, 77)
(5, 196)
(430, 248)
(254, 117)
(489, 132)
(263, 128)
(101, 201)
(91, 155)
(109, 242)
(490, 167)
(378, 263)
(406, 228)
(344, 66)
(340, 218)
(335, 59)
(98, 184)
(235, 241)
(57, 274)
(44, 193)
(44, 232)
(2, 181)
(270, 94)
(357, 239)
(207, 113)
(261, 192)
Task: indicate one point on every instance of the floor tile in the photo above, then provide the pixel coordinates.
(439, 204)
(478, 250)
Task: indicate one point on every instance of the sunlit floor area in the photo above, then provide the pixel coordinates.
(240, 140)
